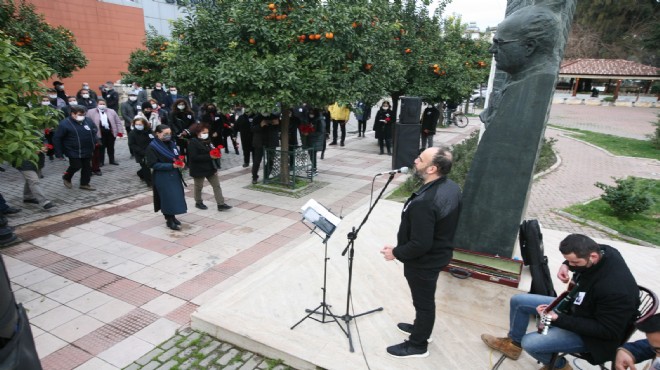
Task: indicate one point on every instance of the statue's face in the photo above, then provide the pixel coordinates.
(508, 48)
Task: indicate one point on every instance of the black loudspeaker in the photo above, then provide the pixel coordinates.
(406, 144)
(411, 110)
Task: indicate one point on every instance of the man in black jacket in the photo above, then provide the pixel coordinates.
(424, 244)
(429, 122)
(111, 96)
(601, 307)
(75, 137)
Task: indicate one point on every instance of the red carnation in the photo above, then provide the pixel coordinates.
(49, 146)
(179, 163)
(120, 135)
(182, 157)
(387, 119)
(47, 131)
(215, 152)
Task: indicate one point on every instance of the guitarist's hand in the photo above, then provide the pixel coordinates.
(563, 274)
(552, 315)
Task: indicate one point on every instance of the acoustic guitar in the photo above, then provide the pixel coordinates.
(559, 304)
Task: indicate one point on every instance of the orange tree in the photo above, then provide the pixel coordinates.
(149, 65)
(281, 53)
(55, 46)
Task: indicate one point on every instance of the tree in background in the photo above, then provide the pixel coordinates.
(616, 29)
(55, 46)
(149, 65)
(21, 76)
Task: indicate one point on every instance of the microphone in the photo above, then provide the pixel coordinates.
(400, 170)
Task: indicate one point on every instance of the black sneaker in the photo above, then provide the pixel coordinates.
(201, 206)
(11, 210)
(223, 207)
(31, 201)
(408, 329)
(48, 205)
(405, 350)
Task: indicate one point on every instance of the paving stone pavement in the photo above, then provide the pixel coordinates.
(108, 287)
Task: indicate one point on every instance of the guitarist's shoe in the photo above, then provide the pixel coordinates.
(504, 345)
(567, 366)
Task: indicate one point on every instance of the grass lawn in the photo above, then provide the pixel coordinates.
(644, 226)
(616, 144)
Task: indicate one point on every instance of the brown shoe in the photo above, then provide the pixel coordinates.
(567, 366)
(504, 345)
(87, 187)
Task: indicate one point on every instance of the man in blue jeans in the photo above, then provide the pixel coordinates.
(424, 245)
(594, 321)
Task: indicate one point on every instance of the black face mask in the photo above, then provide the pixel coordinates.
(578, 269)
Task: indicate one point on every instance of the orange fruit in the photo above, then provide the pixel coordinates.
(252, 41)
(329, 35)
(271, 6)
(436, 66)
(354, 25)
(408, 51)
(368, 66)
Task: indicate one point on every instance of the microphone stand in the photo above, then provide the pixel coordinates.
(351, 252)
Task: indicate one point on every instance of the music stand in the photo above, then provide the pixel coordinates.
(326, 222)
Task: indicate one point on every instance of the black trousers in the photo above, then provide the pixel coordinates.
(246, 141)
(362, 127)
(107, 143)
(256, 161)
(82, 164)
(422, 283)
(335, 124)
(144, 173)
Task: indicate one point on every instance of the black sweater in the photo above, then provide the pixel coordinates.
(199, 158)
(428, 223)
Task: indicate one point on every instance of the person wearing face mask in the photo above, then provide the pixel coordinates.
(339, 115)
(139, 139)
(215, 121)
(383, 124)
(128, 111)
(92, 94)
(59, 90)
(148, 113)
(316, 138)
(50, 131)
(173, 95)
(162, 157)
(56, 100)
(140, 93)
(229, 130)
(601, 306)
(76, 138)
(180, 120)
(642, 350)
(86, 100)
(109, 127)
(204, 165)
(160, 96)
(111, 96)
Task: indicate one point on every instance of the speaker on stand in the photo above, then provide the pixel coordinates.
(407, 133)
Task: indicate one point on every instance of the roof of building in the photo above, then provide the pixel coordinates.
(607, 68)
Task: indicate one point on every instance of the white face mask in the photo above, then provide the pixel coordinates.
(173, 92)
(181, 106)
(73, 102)
(52, 96)
(44, 103)
(85, 87)
(158, 88)
(139, 127)
(204, 136)
(80, 118)
(132, 98)
(85, 96)
(101, 107)
(154, 106)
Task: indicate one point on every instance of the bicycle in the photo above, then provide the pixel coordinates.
(458, 118)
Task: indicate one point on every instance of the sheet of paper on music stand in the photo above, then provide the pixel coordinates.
(320, 216)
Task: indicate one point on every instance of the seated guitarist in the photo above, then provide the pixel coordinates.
(594, 320)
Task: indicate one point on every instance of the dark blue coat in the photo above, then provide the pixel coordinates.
(167, 184)
(74, 139)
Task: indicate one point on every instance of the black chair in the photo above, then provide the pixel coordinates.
(648, 305)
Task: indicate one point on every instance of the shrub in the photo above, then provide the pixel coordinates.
(609, 99)
(626, 198)
(655, 137)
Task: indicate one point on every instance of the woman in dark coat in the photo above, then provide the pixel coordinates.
(383, 127)
(139, 138)
(163, 158)
(181, 117)
(204, 165)
(215, 121)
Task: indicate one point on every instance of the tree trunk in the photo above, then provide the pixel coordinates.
(284, 135)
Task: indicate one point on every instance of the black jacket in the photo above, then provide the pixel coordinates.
(607, 308)
(112, 99)
(199, 160)
(383, 124)
(162, 98)
(430, 119)
(75, 140)
(428, 223)
(138, 141)
(180, 121)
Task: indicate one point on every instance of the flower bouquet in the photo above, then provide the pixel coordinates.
(216, 152)
(180, 161)
(306, 129)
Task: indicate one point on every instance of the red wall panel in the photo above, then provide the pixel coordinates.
(107, 33)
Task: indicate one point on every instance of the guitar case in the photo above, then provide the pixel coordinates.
(531, 249)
